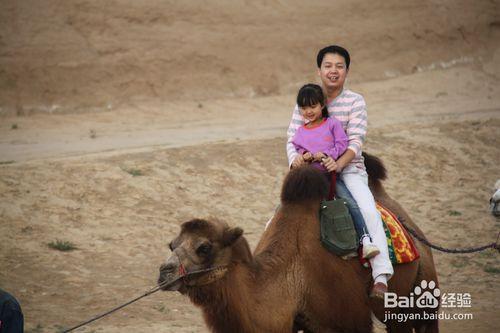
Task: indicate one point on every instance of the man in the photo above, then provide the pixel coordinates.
(350, 109)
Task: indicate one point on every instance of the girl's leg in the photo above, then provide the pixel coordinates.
(357, 183)
(359, 222)
(369, 250)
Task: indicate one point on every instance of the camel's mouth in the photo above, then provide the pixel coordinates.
(169, 282)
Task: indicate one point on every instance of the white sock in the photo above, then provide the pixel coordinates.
(366, 240)
(382, 278)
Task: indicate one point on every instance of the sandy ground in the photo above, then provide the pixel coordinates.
(116, 166)
(439, 162)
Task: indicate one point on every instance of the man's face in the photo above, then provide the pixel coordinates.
(333, 71)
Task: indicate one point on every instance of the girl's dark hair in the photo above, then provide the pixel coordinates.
(311, 94)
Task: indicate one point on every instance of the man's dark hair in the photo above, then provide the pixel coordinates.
(335, 49)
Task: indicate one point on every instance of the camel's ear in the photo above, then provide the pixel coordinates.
(231, 235)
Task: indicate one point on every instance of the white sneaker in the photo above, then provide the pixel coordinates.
(370, 250)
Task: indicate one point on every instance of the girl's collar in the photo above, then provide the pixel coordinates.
(315, 126)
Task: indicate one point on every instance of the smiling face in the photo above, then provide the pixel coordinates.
(312, 114)
(333, 71)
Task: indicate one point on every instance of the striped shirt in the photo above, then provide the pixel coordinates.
(350, 109)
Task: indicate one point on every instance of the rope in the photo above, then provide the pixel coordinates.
(494, 245)
(333, 183)
(423, 240)
(147, 293)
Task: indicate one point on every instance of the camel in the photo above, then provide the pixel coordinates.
(495, 200)
(291, 281)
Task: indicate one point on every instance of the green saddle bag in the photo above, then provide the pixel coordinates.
(338, 234)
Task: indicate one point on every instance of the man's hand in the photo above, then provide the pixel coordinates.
(330, 164)
(298, 161)
(344, 160)
(308, 157)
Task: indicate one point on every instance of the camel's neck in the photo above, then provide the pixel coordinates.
(228, 303)
(231, 304)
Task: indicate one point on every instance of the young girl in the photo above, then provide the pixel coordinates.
(321, 137)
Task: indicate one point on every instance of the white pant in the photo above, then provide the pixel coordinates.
(356, 181)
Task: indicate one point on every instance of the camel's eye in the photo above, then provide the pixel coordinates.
(171, 247)
(204, 250)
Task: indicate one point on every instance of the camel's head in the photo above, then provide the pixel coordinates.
(200, 255)
(495, 200)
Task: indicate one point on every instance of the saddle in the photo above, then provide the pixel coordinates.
(337, 231)
(338, 234)
(401, 246)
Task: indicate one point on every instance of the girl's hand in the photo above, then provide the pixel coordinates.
(298, 161)
(308, 157)
(330, 164)
(319, 156)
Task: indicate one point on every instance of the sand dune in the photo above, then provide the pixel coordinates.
(81, 55)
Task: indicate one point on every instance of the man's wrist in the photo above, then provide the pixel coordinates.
(340, 166)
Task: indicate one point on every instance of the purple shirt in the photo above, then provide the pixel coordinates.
(328, 137)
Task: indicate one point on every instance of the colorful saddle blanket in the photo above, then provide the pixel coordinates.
(401, 247)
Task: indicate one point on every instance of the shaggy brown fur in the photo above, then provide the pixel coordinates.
(290, 275)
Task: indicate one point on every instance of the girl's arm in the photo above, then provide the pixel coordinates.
(299, 149)
(340, 140)
(297, 143)
(301, 153)
(303, 156)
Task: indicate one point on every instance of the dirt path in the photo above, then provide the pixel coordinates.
(147, 127)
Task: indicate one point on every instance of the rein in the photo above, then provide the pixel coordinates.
(494, 245)
(333, 183)
(215, 273)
